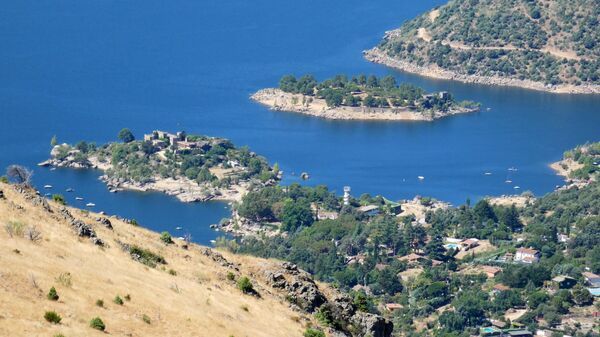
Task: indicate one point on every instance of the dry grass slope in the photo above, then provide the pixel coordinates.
(198, 301)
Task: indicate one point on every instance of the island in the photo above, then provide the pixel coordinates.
(549, 46)
(360, 98)
(190, 167)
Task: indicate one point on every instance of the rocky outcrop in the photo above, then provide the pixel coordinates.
(81, 228)
(301, 290)
(220, 259)
(372, 325)
(303, 293)
(104, 222)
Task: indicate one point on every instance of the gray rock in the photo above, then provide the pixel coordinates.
(105, 222)
(372, 325)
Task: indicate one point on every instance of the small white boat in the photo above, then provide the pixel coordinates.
(53, 169)
(213, 241)
(178, 228)
(181, 238)
(489, 109)
(513, 169)
(48, 186)
(488, 173)
(70, 189)
(508, 181)
(90, 204)
(78, 198)
(517, 187)
(421, 178)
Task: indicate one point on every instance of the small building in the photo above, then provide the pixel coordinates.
(527, 255)
(469, 243)
(369, 210)
(491, 271)
(412, 258)
(563, 282)
(326, 215)
(498, 288)
(498, 324)
(591, 279)
(393, 306)
(519, 333)
(436, 262)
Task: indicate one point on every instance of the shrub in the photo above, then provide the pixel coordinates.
(4, 179)
(100, 303)
(172, 272)
(313, 333)
(52, 294)
(59, 335)
(96, 323)
(230, 276)
(146, 319)
(166, 238)
(14, 228)
(245, 285)
(59, 198)
(52, 317)
(33, 234)
(118, 300)
(146, 256)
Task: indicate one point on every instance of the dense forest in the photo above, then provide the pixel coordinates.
(553, 42)
(370, 91)
(435, 274)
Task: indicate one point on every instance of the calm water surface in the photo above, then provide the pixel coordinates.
(83, 70)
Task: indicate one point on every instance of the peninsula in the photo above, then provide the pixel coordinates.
(549, 46)
(360, 98)
(190, 167)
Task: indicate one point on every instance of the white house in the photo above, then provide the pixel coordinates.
(527, 255)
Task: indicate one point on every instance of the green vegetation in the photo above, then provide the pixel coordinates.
(126, 136)
(365, 250)
(508, 38)
(118, 300)
(245, 285)
(166, 238)
(177, 157)
(372, 92)
(96, 323)
(146, 256)
(59, 198)
(588, 156)
(100, 303)
(146, 319)
(52, 294)
(313, 333)
(52, 317)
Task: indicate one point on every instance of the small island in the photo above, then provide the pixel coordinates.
(190, 167)
(360, 98)
(579, 166)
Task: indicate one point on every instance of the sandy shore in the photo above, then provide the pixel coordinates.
(279, 100)
(377, 56)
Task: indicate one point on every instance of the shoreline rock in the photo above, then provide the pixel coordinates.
(278, 100)
(375, 55)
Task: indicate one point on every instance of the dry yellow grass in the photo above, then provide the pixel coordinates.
(198, 301)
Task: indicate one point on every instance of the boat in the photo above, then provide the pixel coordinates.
(90, 204)
(508, 181)
(78, 198)
(53, 169)
(517, 187)
(178, 228)
(514, 169)
(48, 186)
(488, 173)
(421, 177)
(213, 241)
(70, 189)
(489, 109)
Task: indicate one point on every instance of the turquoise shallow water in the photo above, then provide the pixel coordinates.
(83, 70)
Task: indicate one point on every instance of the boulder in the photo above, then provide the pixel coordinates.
(372, 325)
(105, 222)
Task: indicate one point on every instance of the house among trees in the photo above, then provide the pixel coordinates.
(527, 255)
(369, 210)
(412, 258)
(563, 282)
(179, 141)
(591, 279)
(498, 288)
(393, 306)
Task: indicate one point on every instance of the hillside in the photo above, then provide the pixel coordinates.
(539, 44)
(175, 289)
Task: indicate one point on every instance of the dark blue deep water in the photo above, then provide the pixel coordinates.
(85, 69)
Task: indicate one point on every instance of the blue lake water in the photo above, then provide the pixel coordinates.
(83, 70)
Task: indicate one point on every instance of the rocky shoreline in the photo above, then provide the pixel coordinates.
(184, 189)
(279, 100)
(378, 56)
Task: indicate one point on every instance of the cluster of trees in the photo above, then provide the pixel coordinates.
(525, 25)
(323, 247)
(369, 91)
(138, 161)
